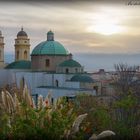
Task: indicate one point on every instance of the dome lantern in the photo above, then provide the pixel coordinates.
(50, 36)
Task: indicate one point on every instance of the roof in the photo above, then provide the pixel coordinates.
(49, 48)
(50, 33)
(22, 64)
(82, 78)
(21, 33)
(70, 63)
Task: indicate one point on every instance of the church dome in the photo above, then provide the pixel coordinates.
(82, 78)
(21, 33)
(50, 47)
(70, 63)
(22, 64)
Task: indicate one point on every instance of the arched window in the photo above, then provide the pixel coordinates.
(22, 83)
(25, 54)
(47, 62)
(96, 89)
(67, 70)
(0, 54)
(76, 70)
(56, 83)
(17, 55)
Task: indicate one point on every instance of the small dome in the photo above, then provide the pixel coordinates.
(50, 33)
(70, 63)
(49, 48)
(22, 64)
(22, 33)
(82, 78)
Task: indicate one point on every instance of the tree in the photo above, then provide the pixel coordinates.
(126, 107)
(126, 80)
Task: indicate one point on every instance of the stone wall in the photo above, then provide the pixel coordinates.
(39, 62)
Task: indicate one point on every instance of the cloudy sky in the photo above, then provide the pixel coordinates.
(82, 27)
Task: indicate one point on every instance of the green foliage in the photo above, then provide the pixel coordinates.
(36, 124)
(50, 121)
(126, 116)
(127, 102)
(98, 118)
(122, 116)
(53, 121)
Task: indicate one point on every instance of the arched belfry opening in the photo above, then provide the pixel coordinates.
(25, 55)
(17, 55)
(0, 54)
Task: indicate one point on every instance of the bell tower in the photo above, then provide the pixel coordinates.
(22, 46)
(1, 50)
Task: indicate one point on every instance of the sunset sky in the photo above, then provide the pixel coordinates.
(82, 27)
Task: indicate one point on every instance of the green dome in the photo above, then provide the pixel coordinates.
(50, 33)
(82, 78)
(70, 63)
(22, 64)
(49, 48)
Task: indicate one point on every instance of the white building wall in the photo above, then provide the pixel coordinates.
(37, 79)
(7, 77)
(56, 93)
(50, 79)
(69, 84)
(3, 77)
(32, 79)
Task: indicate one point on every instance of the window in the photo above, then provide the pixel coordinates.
(17, 55)
(25, 54)
(0, 54)
(47, 62)
(22, 82)
(25, 41)
(96, 89)
(76, 70)
(67, 70)
(56, 83)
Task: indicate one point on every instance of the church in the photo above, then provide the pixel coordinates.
(50, 67)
